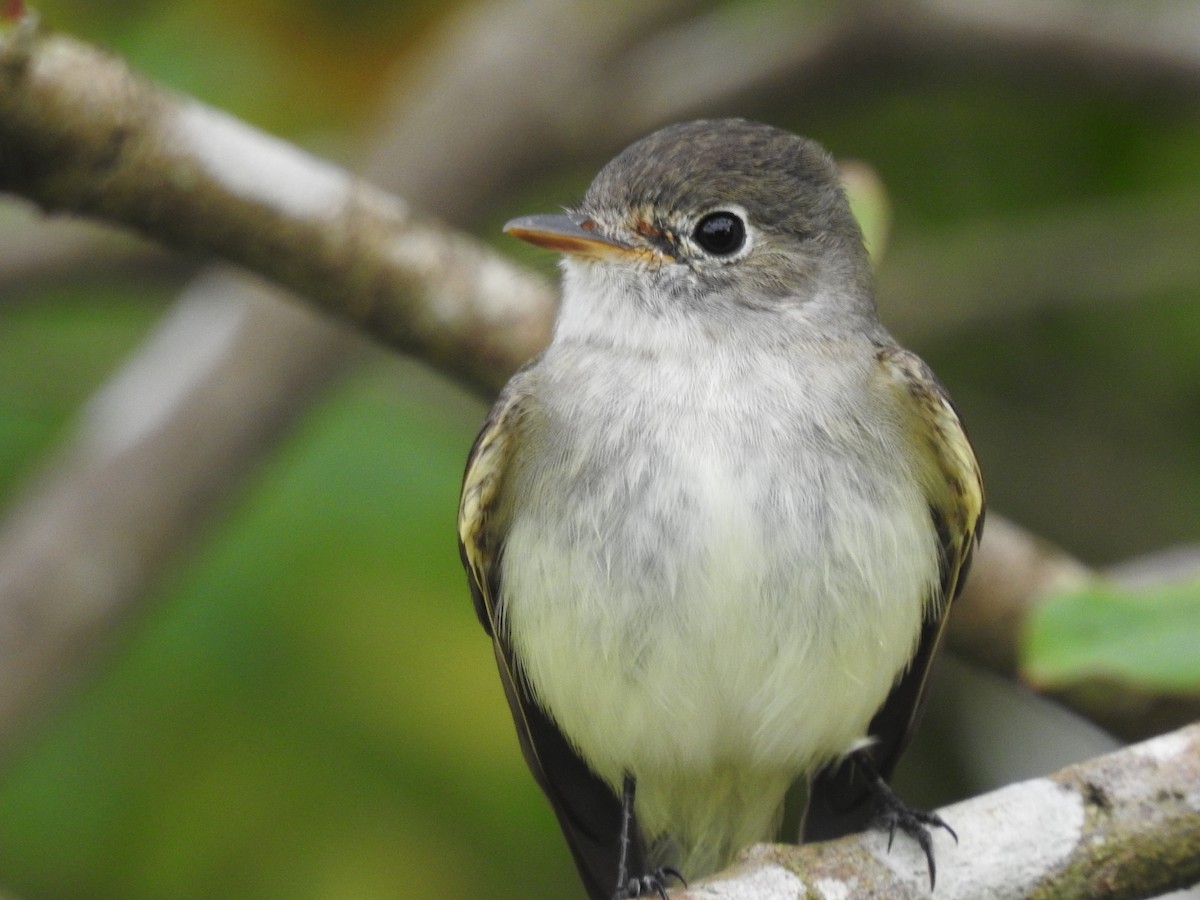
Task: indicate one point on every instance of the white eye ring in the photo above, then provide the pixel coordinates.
(723, 233)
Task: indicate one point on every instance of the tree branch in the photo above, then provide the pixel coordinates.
(1154, 44)
(77, 553)
(83, 134)
(36, 251)
(1125, 825)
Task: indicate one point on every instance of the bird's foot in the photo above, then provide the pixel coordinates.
(893, 814)
(629, 888)
(648, 885)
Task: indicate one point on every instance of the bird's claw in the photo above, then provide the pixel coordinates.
(653, 883)
(894, 814)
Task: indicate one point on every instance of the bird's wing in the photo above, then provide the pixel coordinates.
(953, 489)
(588, 810)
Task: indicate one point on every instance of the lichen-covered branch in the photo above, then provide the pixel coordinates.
(1125, 825)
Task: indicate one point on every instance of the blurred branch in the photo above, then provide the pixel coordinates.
(37, 251)
(602, 85)
(1122, 825)
(1174, 565)
(1016, 571)
(80, 549)
(1012, 572)
(508, 88)
(1131, 46)
(1110, 253)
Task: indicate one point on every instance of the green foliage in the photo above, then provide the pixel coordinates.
(1146, 638)
(312, 711)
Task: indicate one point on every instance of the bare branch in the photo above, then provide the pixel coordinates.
(228, 190)
(37, 251)
(1125, 825)
(529, 83)
(1115, 253)
(1132, 46)
(83, 133)
(77, 553)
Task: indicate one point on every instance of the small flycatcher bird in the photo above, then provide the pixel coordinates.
(714, 528)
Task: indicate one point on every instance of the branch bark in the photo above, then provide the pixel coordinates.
(1125, 825)
(83, 134)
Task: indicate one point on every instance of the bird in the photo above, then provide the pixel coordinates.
(714, 528)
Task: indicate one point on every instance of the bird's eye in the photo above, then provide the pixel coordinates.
(720, 233)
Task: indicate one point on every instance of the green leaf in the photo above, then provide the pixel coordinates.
(1149, 638)
(869, 200)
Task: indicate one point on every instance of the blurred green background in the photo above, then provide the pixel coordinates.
(310, 710)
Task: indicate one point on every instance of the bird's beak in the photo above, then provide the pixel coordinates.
(570, 233)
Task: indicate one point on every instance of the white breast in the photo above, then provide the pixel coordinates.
(713, 600)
